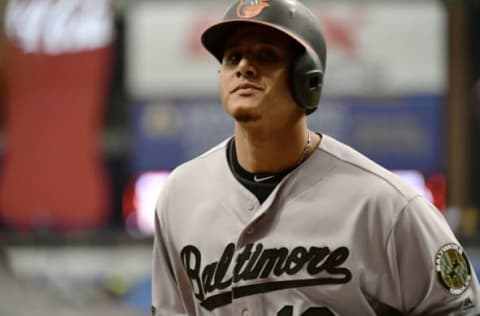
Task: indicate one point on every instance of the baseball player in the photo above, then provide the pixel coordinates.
(279, 220)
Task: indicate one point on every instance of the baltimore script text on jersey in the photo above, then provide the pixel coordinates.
(261, 263)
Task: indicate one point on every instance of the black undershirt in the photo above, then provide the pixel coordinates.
(261, 189)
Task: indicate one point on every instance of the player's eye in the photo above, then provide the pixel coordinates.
(232, 58)
(268, 55)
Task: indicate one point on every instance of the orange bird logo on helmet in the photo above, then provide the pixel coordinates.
(251, 8)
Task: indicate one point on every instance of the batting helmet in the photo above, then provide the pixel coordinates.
(291, 18)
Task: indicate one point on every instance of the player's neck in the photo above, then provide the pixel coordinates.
(267, 151)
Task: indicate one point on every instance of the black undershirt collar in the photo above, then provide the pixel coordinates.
(260, 184)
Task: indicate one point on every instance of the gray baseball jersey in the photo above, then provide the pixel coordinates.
(339, 235)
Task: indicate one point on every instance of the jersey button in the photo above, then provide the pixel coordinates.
(251, 205)
(250, 230)
(245, 312)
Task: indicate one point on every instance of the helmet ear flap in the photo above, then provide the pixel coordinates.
(307, 81)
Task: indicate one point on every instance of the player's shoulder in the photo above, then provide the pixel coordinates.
(202, 164)
(185, 186)
(358, 165)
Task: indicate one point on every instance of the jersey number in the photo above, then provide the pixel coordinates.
(312, 311)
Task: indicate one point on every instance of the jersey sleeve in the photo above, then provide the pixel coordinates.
(165, 295)
(433, 272)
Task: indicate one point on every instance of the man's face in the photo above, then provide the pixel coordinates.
(254, 76)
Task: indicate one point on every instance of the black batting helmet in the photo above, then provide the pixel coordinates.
(291, 18)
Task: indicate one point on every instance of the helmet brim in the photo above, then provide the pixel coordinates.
(215, 37)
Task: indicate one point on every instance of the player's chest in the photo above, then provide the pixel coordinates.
(267, 266)
(298, 229)
(310, 248)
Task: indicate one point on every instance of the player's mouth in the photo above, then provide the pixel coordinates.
(246, 88)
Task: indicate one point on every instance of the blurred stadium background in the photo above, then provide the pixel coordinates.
(101, 99)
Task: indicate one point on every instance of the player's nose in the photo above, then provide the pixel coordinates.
(246, 68)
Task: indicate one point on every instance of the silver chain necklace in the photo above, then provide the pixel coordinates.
(261, 178)
(305, 148)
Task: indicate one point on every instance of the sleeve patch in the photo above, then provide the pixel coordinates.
(453, 268)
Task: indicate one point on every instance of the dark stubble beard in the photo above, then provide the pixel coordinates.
(246, 117)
